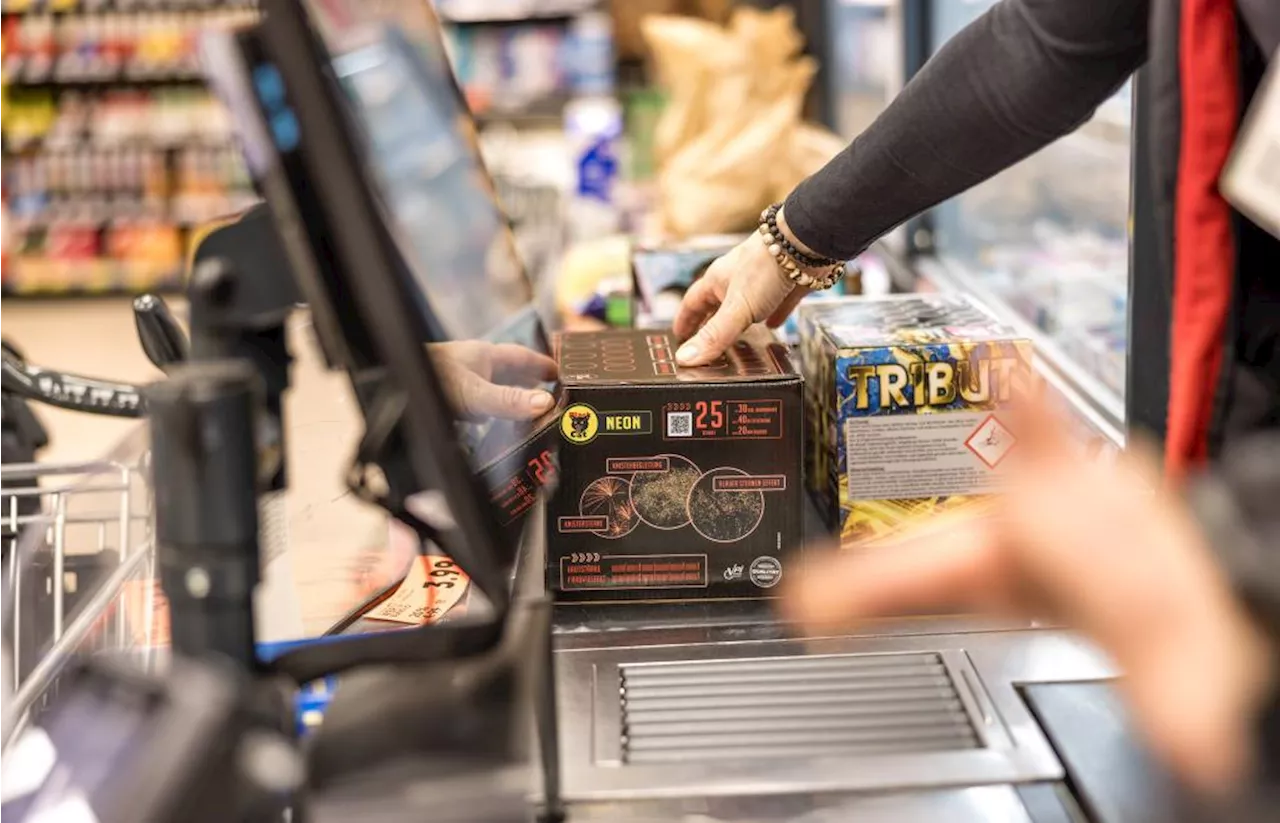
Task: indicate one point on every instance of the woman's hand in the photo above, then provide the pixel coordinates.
(743, 287)
(1104, 548)
(486, 380)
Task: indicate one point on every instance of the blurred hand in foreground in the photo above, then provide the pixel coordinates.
(742, 287)
(494, 380)
(1105, 548)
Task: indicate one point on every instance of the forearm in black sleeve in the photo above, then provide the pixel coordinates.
(1019, 77)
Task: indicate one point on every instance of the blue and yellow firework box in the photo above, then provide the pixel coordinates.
(674, 483)
(906, 401)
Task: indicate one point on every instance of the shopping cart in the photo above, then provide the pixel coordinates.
(80, 573)
(78, 538)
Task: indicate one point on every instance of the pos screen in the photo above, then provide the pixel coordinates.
(423, 154)
(353, 128)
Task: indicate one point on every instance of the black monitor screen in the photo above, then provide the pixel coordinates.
(365, 151)
(423, 154)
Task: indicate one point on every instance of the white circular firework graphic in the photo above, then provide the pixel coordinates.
(661, 498)
(610, 498)
(724, 516)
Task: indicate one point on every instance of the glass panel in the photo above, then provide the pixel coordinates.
(865, 51)
(1050, 235)
(422, 151)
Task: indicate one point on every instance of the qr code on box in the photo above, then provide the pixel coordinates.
(680, 424)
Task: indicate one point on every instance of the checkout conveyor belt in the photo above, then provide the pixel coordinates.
(713, 711)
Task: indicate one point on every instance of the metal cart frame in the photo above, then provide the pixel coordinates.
(70, 566)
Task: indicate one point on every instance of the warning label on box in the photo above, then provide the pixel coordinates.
(991, 441)
(928, 455)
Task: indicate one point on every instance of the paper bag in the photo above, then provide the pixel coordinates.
(732, 138)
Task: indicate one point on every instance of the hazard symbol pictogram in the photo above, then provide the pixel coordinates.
(991, 441)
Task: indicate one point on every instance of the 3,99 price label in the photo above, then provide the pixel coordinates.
(433, 587)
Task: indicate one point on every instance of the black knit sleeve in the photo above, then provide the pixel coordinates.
(1019, 77)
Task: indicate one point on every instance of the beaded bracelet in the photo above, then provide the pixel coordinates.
(792, 260)
(769, 217)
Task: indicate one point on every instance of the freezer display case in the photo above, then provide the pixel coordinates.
(1048, 239)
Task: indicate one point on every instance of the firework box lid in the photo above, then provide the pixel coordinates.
(902, 320)
(624, 357)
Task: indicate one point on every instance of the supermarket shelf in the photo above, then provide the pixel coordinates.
(184, 209)
(28, 224)
(106, 190)
(87, 278)
(117, 79)
(548, 17)
(485, 14)
(162, 287)
(42, 143)
(549, 112)
(23, 9)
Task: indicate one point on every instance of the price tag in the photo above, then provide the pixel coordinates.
(1251, 181)
(433, 587)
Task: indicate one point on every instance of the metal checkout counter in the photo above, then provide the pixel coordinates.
(697, 711)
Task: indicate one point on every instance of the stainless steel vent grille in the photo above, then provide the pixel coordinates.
(839, 705)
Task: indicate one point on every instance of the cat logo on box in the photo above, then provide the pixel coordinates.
(580, 424)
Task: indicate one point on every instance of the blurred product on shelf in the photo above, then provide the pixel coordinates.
(528, 169)
(592, 275)
(534, 209)
(150, 117)
(516, 70)
(642, 110)
(591, 63)
(63, 6)
(123, 46)
(112, 218)
(497, 11)
(113, 152)
(731, 139)
(593, 127)
(523, 61)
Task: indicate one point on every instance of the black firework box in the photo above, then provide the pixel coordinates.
(674, 483)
